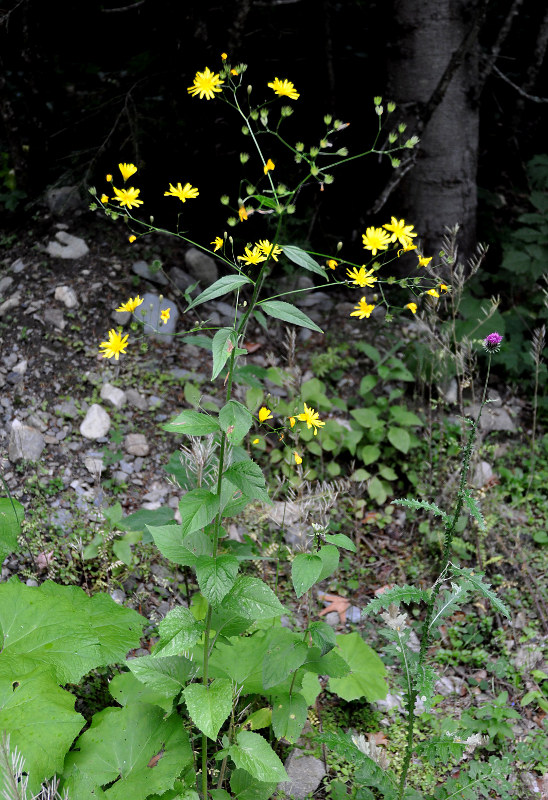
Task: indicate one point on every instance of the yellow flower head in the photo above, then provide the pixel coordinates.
(234, 71)
(218, 242)
(108, 178)
(242, 213)
(361, 277)
(291, 421)
(363, 309)
(184, 193)
(116, 344)
(284, 89)
(332, 263)
(401, 232)
(443, 288)
(272, 250)
(127, 170)
(224, 56)
(312, 419)
(408, 246)
(433, 293)
(104, 198)
(375, 239)
(412, 307)
(127, 197)
(423, 262)
(268, 166)
(205, 84)
(254, 256)
(165, 315)
(264, 414)
(131, 238)
(131, 304)
(298, 459)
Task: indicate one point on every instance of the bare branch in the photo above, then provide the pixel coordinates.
(489, 60)
(532, 97)
(123, 8)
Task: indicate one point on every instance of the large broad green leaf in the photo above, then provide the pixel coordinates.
(165, 675)
(329, 555)
(366, 417)
(249, 478)
(303, 259)
(305, 571)
(323, 636)
(224, 342)
(400, 438)
(244, 787)
(61, 626)
(38, 716)
(253, 753)
(251, 598)
(127, 690)
(288, 715)
(340, 540)
(288, 313)
(193, 423)
(134, 751)
(235, 420)
(179, 631)
(228, 283)
(366, 678)
(197, 508)
(146, 516)
(209, 706)
(169, 541)
(241, 660)
(216, 576)
(11, 516)
(286, 652)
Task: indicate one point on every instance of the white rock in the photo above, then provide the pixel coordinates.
(67, 296)
(96, 423)
(305, 775)
(136, 444)
(94, 465)
(67, 246)
(25, 442)
(11, 302)
(113, 395)
(21, 367)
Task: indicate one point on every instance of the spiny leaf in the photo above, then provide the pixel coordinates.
(442, 749)
(476, 579)
(450, 601)
(425, 678)
(416, 504)
(473, 508)
(398, 594)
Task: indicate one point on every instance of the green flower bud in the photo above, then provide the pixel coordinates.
(286, 111)
(298, 159)
(343, 151)
(314, 170)
(225, 200)
(324, 143)
(395, 162)
(377, 100)
(249, 89)
(401, 127)
(250, 190)
(92, 190)
(93, 206)
(254, 115)
(328, 119)
(314, 151)
(299, 147)
(392, 137)
(410, 143)
(244, 158)
(390, 107)
(290, 209)
(245, 130)
(339, 247)
(328, 178)
(232, 221)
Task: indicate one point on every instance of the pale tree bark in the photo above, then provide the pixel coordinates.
(433, 72)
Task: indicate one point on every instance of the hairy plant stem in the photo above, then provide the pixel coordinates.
(445, 559)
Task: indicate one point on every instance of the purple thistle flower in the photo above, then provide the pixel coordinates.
(492, 342)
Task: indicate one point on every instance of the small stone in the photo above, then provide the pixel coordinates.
(54, 316)
(305, 775)
(66, 295)
(31, 582)
(63, 199)
(25, 443)
(118, 596)
(96, 422)
(66, 409)
(483, 473)
(21, 367)
(11, 302)
(136, 400)
(136, 444)
(119, 477)
(18, 266)
(154, 402)
(94, 465)
(149, 314)
(142, 269)
(68, 246)
(120, 317)
(5, 283)
(332, 618)
(201, 266)
(181, 279)
(113, 395)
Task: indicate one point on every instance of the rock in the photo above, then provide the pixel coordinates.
(66, 409)
(68, 246)
(120, 317)
(181, 279)
(201, 266)
(149, 314)
(5, 283)
(113, 395)
(11, 302)
(63, 199)
(25, 442)
(136, 400)
(21, 367)
(94, 465)
(136, 444)
(483, 473)
(66, 295)
(18, 266)
(54, 316)
(332, 618)
(492, 418)
(118, 596)
(142, 269)
(96, 422)
(305, 775)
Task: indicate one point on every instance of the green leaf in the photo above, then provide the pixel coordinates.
(127, 690)
(122, 550)
(179, 631)
(367, 771)
(193, 423)
(329, 554)
(38, 716)
(216, 576)
(340, 540)
(249, 478)
(197, 508)
(129, 752)
(367, 417)
(252, 599)
(443, 749)
(323, 636)
(367, 383)
(139, 520)
(289, 713)
(169, 541)
(376, 490)
(224, 342)
(398, 594)
(474, 509)
(400, 438)
(303, 259)
(416, 504)
(288, 313)
(11, 516)
(404, 417)
(166, 675)
(244, 787)
(367, 671)
(387, 473)
(228, 283)
(286, 653)
(305, 571)
(235, 420)
(476, 579)
(253, 753)
(370, 453)
(209, 706)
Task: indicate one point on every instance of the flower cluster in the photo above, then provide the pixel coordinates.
(308, 415)
(259, 252)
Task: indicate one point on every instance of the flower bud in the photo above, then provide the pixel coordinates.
(92, 190)
(232, 221)
(343, 151)
(379, 110)
(328, 119)
(249, 190)
(244, 158)
(324, 143)
(401, 127)
(245, 130)
(254, 115)
(392, 137)
(314, 151)
(328, 178)
(390, 107)
(410, 143)
(395, 162)
(299, 147)
(225, 200)
(290, 209)
(286, 111)
(377, 100)
(314, 170)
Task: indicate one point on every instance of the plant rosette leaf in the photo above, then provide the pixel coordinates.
(11, 516)
(216, 576)
(303, 259)
(226, 284)
(253, 754)
(305, 571)
(288, 313)
(209, 706)
(179, 631)
(289, 712)
(248, 477)
(366, 678)
(253, 599)
(235, 420)
(193, 423)
(134, 749)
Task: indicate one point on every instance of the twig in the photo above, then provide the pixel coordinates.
(519, 90)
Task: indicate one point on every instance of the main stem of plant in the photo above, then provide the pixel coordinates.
(445, 559)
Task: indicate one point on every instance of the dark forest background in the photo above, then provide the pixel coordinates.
(84, 85)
